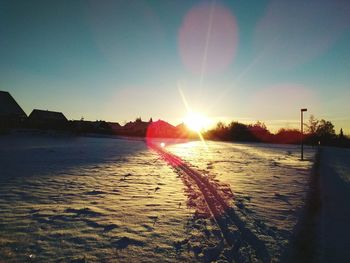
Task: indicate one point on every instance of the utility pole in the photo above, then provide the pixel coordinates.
(302, 131)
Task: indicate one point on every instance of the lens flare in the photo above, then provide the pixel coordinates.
(208, 38)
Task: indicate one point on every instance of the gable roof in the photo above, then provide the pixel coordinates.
(47, 115)
(8, 105)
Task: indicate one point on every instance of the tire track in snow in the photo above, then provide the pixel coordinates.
(223, 213)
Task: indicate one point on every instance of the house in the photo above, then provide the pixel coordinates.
(44, 119)
(11, 114)
(161, 129)
(134, 128)
(115, 126)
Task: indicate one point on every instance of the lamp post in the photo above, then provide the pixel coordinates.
(301, 129)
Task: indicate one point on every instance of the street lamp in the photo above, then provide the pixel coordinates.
(301, 128)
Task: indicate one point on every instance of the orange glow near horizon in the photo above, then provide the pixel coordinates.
(196, 121)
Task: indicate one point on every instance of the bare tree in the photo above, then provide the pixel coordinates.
(312, 125)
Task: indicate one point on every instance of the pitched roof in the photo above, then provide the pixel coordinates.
(47, 115)
(8, 105)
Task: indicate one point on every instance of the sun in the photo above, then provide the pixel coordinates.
(196, 121)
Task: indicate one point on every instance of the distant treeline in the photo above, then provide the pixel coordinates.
(316, 132)
(137, 128)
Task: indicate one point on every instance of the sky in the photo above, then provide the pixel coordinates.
(238, 60)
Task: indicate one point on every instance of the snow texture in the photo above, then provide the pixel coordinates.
(65, 198)
(334, 229)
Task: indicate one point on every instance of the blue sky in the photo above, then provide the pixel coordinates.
(233, 60)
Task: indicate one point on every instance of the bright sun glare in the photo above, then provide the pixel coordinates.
(196, 121)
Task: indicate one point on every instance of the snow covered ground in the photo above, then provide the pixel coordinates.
(334, 226)
(269, 183)
(66, 198)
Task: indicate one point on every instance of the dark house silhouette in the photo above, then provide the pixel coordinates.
(44, 119)
(134, 128)
(115, 126)
(161, 129)
(11, 114)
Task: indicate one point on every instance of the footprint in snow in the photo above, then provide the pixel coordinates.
(94, 192)
(155, 219)
(282, 197)
(109, 227)
(124, 242)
